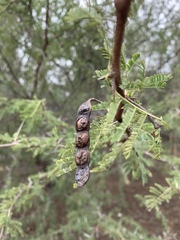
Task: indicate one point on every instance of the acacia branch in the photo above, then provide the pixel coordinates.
(10, 209)
(150, 155)
(9, 144)
(11, 72)
(66, 72)
(122, 9)
(43, 54)
(7, 6)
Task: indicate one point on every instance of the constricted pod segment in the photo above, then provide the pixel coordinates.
(82, 158)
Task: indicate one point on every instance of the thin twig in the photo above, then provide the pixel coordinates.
(43, 54)
(150, 155)
(9, 144)
(66, 72)
(150, 117)
(10, 210)
(9, 67)
(8, 5)
(95, 100)
(18, 131)
(12, 73)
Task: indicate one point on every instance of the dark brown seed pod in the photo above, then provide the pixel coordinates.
(82, 156)
(82, 124)
(82, 139)
(82, 175)
(82, 143)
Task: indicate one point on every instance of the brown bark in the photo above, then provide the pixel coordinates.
(122, 9)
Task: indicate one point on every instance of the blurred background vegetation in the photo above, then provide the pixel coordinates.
(47, 64)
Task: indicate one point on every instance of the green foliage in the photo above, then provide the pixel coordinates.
(132, 62)
(104, 132)
(66, 162)
(44, 144)
(16, 199)
(128, 146)
(117, 229)
(143, 137)
(106, 50)
(160, 194)
(156, 81)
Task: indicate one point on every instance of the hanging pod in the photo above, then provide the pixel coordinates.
(82, 157)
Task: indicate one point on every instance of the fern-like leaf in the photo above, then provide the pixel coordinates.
(123, 58)
(128, 145)
(134, 86)
(120, 130)
(106, 50)
(141, 70)
(66, 162)
(132, 62)
(107, 160)
(103, 128)
(156, 81)
(159, 194)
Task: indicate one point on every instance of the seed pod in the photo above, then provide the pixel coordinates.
(82, 139)
(82, 156)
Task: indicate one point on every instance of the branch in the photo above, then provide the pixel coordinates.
(9, 144)
(7, 6)
(43, 54)
(12, 74)
(150, 116)
(10, 209)
(30, 9)
(150, 155)
(66, 72)
(122, 9)
(168, 59)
